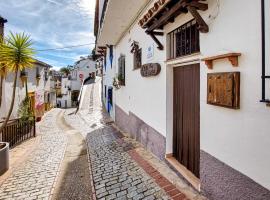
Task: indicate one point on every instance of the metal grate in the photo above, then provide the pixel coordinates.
(18, 131)
(183, 41)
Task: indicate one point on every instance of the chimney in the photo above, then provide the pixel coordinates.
(2, 25)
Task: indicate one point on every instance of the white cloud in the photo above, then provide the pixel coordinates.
(53, 24)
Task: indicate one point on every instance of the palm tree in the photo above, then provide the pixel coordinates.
(16, 53)
(3, 72)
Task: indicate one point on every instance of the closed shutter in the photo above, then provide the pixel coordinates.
(121, 69)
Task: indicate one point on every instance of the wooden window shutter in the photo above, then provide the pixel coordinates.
(121, 69)
(124, 69)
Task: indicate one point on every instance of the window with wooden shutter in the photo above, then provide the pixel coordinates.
(121, 70)
(137, 59)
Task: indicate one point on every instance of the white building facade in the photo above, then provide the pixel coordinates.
(217, 132)
(71, 84)
(39, 93)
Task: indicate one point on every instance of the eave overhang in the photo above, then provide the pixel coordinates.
(119, 16)
(165, 11)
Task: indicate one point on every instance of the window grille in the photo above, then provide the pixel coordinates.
(137, 58)
(121, 69)
(183, 41)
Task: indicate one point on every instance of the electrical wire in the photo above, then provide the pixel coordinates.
(67, 47)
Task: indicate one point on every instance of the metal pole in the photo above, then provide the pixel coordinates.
(263, 48)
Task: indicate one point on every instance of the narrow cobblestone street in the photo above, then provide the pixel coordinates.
(35, 178)
(117, 166)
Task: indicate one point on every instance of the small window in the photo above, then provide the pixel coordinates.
(105, 88)
(37, 72)
(121, 69)
(184, 40)
(137, 59)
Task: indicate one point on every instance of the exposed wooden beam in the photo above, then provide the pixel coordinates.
(167, 15)
(158, 33)
(203, 27)
(160, 46)
(198, 5)
(102, 47)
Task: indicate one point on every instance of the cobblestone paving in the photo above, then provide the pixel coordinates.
(118, 171)
(115, 174)
(35, 178)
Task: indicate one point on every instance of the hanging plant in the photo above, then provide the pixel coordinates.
(121, 79)
(116, 84)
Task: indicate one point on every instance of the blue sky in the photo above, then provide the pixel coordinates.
(53, 24)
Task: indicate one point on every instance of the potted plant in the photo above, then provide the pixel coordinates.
(121, 79)
(4, 157)
(116, 84)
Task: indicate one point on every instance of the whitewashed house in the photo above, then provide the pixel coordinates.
(36, 78)
(194, 87)
(71, 84)
(82, 69)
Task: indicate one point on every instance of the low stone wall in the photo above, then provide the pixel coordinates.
(142, 132)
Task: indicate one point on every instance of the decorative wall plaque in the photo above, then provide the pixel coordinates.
(223, 89)
(150, 69)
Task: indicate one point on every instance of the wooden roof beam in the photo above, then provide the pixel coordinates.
(182, 6)
(203, 27)
(153, 36)
(102, 47)
(198, 5)
(167, 16)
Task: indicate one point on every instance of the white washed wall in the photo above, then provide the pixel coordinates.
(145, 97)
(20, 90)
(240, 138)
(108, 76)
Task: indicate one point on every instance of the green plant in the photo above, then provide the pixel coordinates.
(120, 77)
(116, 83)
(16, 53)
(3, 73)
(24, 111)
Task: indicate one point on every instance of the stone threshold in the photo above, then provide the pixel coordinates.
(191, 178)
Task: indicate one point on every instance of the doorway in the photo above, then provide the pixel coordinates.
(186, 117)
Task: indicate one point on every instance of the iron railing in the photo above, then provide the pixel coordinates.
(18, 131)
(183, 41)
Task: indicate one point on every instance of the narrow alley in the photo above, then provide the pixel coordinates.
(116, 167)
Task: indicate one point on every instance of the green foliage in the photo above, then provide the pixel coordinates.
(24, 111)
(16, 53)
(65, 70)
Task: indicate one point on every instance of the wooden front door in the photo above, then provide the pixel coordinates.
(186, 122)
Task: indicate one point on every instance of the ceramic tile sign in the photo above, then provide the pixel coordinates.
(223, 89)
(150, 52)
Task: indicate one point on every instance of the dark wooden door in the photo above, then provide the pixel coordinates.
(186, 133)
